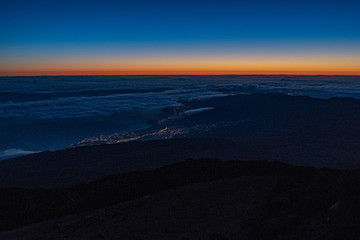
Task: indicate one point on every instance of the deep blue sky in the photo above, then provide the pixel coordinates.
(53, 21)
(38, 28)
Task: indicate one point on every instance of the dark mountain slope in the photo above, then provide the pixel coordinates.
(22, 206)
(195, 199)
(295, 129)
(83, 164)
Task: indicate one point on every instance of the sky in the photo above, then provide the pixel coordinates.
(61, 37)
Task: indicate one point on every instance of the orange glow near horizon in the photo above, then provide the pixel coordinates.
(217, 65)
(104, 73)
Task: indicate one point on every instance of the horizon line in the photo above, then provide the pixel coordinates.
(113, 75)
(205, 73)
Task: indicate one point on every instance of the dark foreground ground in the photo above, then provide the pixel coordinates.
(308, 189)
(195, 199)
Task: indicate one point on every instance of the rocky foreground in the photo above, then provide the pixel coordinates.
(195, 199)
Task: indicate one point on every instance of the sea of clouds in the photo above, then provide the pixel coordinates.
(39, 100)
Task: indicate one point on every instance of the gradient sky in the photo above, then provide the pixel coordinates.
(53, 37)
